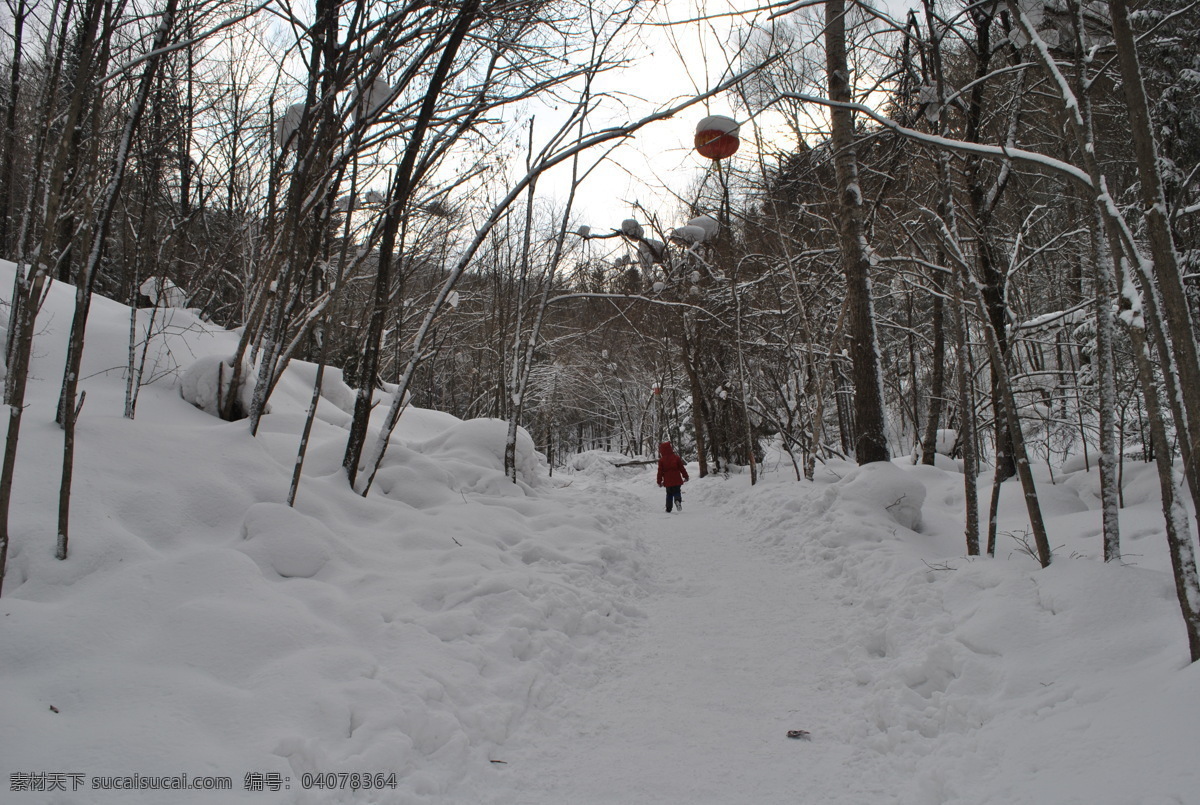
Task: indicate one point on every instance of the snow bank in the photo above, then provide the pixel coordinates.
(852, 505)
(976, 680)
(601, 464)
(877, 490)
(201, 626)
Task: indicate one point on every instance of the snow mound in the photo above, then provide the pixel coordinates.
(880, 488)
(464, 457)
(848, 506)
(600, 464)
(161, 291)
(281, 540)
(206, 382)
(476, 448)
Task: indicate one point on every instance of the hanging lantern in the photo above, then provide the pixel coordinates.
(717, 137)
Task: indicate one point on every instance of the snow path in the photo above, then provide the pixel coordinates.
(695, 705)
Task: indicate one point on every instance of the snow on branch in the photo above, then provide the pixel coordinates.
(994, 151)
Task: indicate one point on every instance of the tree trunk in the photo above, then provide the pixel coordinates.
(966, 428)
(689, 366)
(1107, 395)
(743, 385)
(30, 282)
(870, 438)
(8, 163)
(323, 347)
(937, 384)
(983, 204)
(68, 409)
(1175, 308)
(397, 208)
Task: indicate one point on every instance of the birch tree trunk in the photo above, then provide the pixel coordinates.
(68, 408)
(33, 272)
(743, 385)
(522, 359)
(1104, 281)
(1146, 328)
(937, 384)
(1107, 395)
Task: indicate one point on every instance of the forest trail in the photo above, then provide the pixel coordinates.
(736, 649)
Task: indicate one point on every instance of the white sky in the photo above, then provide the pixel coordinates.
(660, 162)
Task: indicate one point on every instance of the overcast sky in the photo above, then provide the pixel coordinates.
(660, 160)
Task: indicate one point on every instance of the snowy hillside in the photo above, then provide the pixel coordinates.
(201, 626)
(459, 638)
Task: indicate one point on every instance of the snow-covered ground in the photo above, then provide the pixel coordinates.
(463, 639)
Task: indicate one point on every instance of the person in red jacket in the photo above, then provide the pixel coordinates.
(672, 474)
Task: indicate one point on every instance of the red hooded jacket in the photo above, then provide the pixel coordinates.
(671, 470)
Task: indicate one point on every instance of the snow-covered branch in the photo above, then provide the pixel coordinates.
(1031, 158)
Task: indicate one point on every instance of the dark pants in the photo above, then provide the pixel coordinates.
(674, 494)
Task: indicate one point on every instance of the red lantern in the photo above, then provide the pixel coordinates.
(717, 137)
